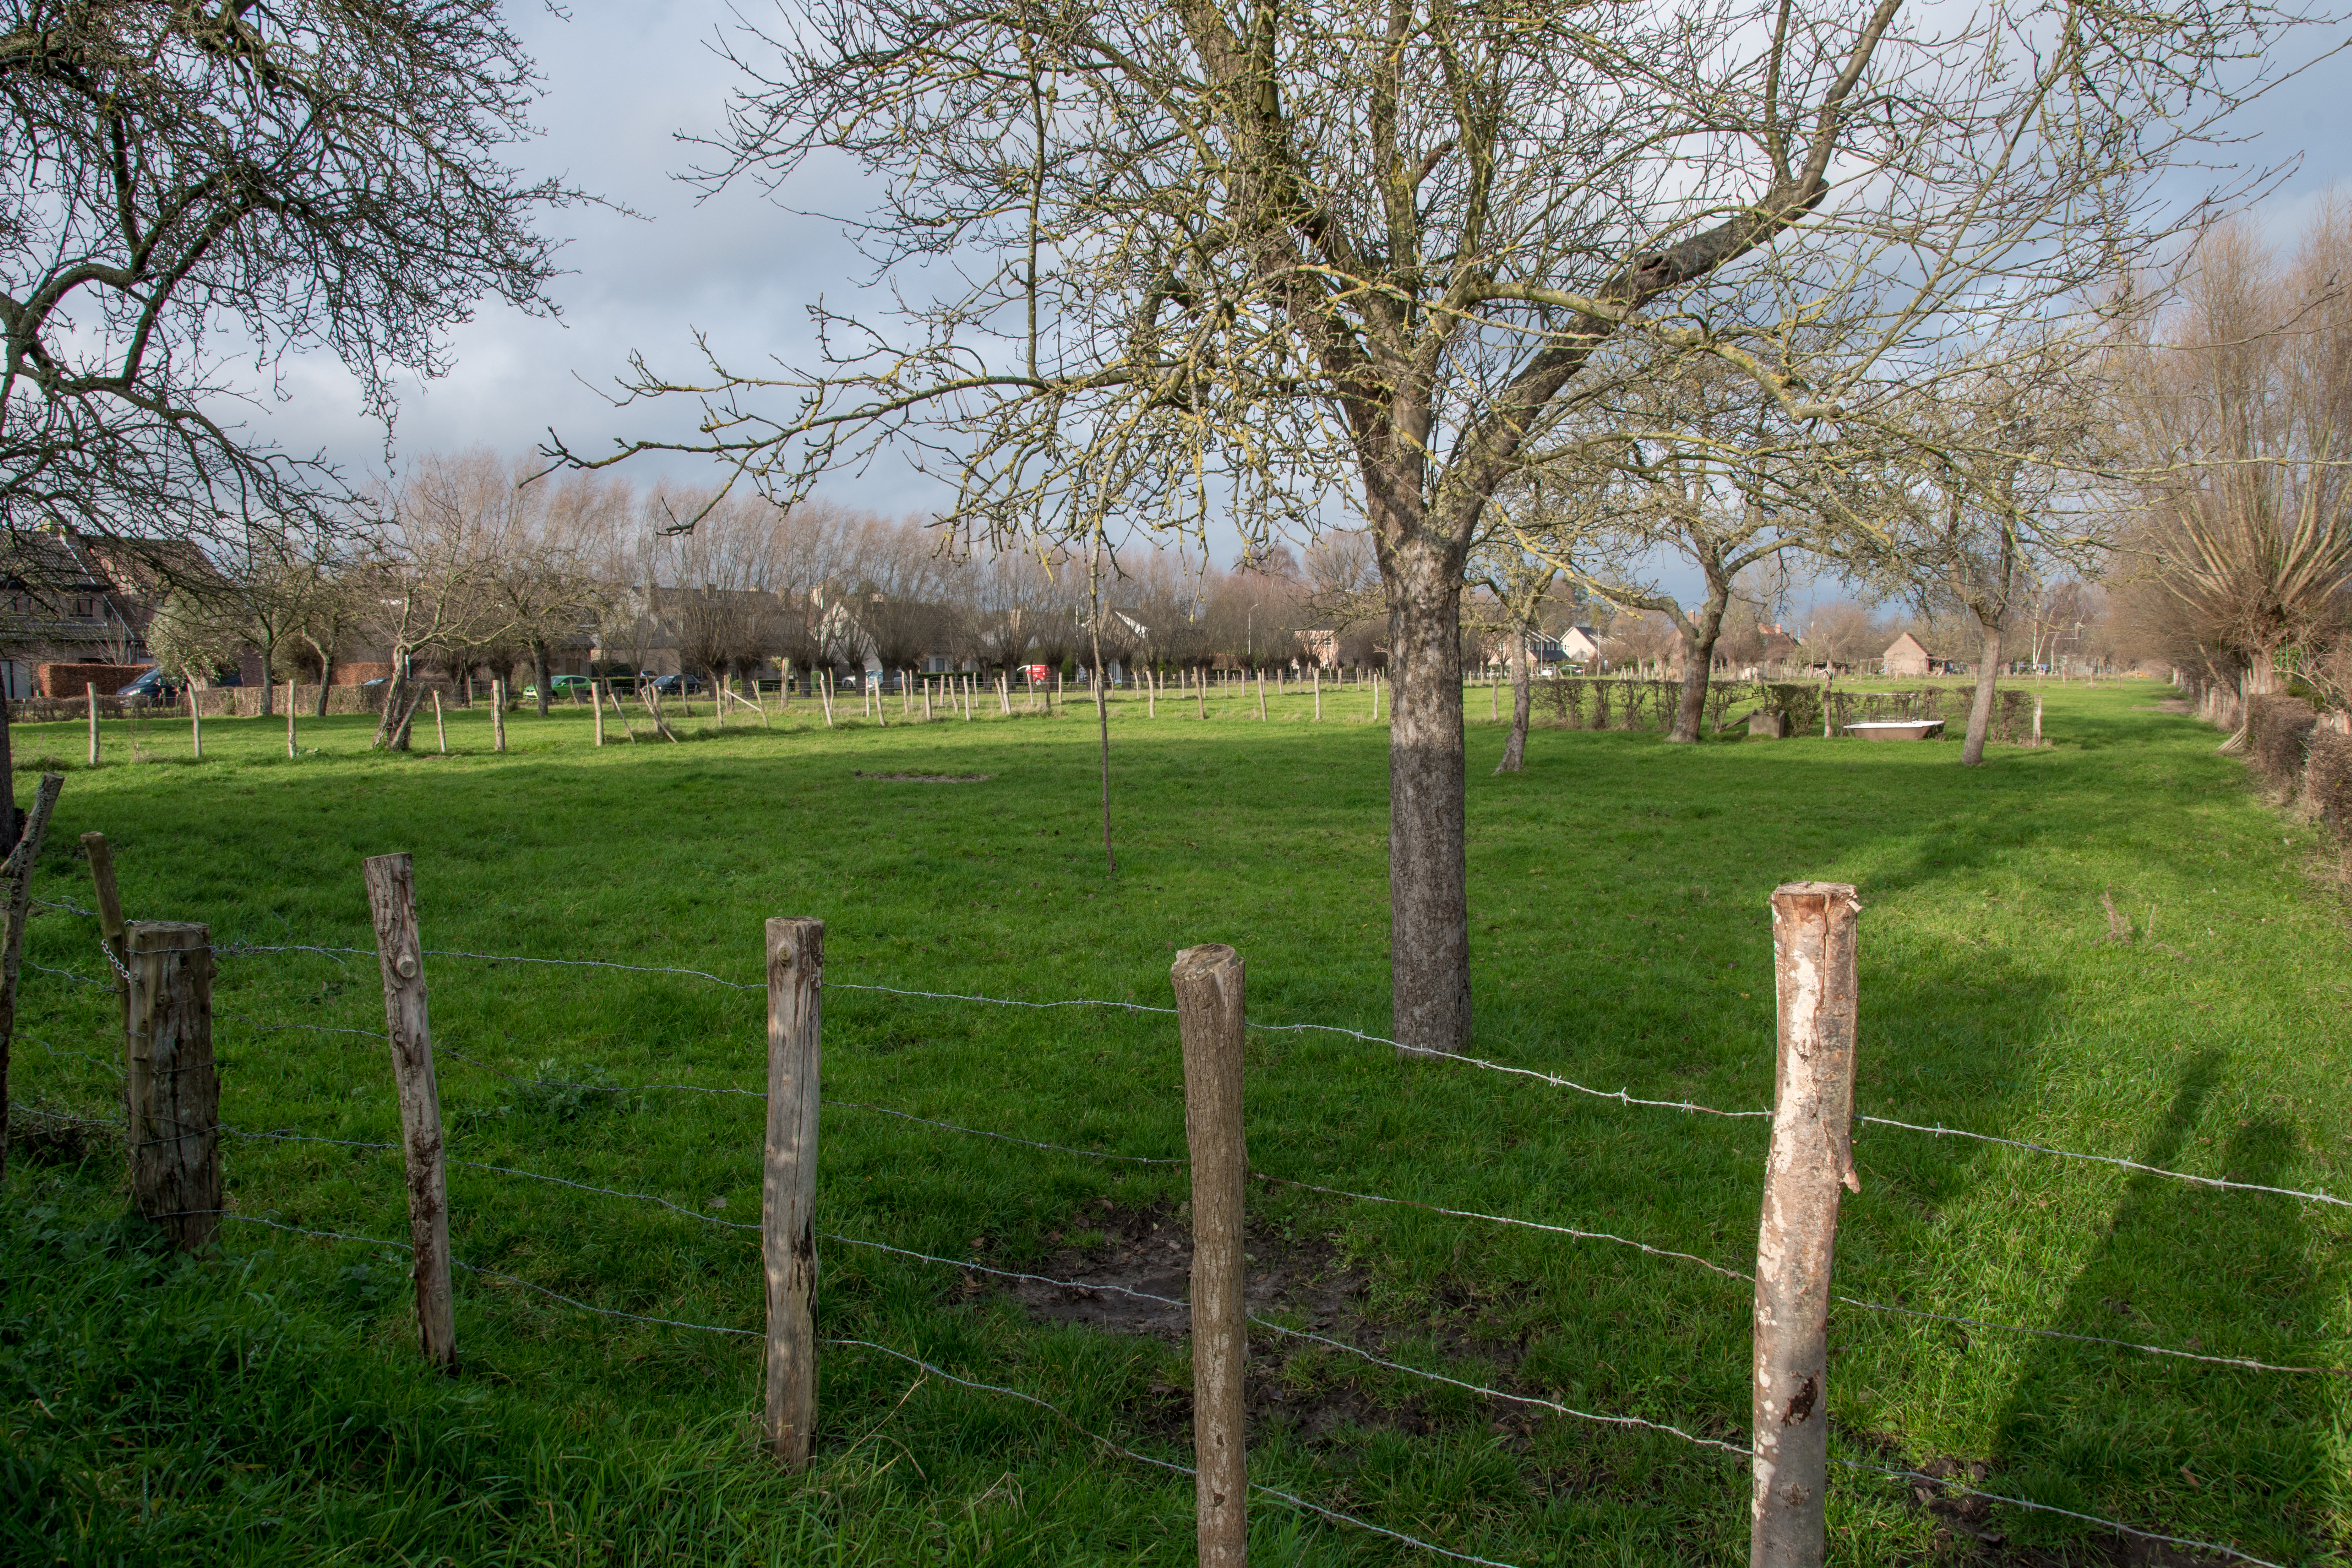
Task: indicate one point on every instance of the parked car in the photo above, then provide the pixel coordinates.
(678, 685)
(564, 686)
(156, 687)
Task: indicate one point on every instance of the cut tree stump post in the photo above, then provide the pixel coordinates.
(440, 726)
(1811, 1161)
(170, 1086)
(19, 901)
(596, 706)
(1210, 1018)
(1261, 697)
(498, 715)
(1319, 692)
(392, 900)
(290, 719)
(195, 724)
(92, 691)
(788, 1184)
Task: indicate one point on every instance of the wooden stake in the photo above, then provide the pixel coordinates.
(498, 712)
(12, 941)
(596, 706)
(1210, 1018)
(787, 1186)
(392, 899)
(824, 690)
(1200, 691)
(196, 723)
(440, 725)
(927, 701)
(170, 1086)
(1261, 697)
(109, 910)
(92, 691)
(1811, 1158)
(1319, 693)
(1150, 692)
(290, 750)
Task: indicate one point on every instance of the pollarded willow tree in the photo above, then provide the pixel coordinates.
(1152, 262)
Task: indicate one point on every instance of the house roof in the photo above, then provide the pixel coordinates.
(1916, 646)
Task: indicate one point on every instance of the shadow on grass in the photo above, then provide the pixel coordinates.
(2186, 1448)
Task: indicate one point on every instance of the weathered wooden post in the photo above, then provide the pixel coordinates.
(596, 706)
(170, 1086)
(195, 724)
(290, 719)
(20, 896)
(392, 900)
(2037, 718)
(440, 724)
(91, 691)
(788, 1183)
(1261, 696)
(1319, 693)
(1811, 1158)
(497, 713)
(110, 910)
(1212, 1018)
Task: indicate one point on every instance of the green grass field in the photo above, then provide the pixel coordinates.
(268, 1406)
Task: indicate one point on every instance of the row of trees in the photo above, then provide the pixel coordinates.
(1511, 291)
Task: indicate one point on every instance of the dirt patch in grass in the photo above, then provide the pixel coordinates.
(1301, 1281)
(924, 778)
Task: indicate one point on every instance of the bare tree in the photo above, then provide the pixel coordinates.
(2239, 403)
(1241, 257)
(319, 173)
(426, 582)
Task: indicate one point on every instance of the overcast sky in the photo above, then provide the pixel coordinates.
(622, 82)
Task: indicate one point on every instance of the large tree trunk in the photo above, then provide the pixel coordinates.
(1429, 912)
(8, 814)
(1980, 712)
(326, 676)
(1515, 749)
(538, 669)
(1698, 660)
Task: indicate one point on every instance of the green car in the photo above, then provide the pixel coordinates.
(564, 686)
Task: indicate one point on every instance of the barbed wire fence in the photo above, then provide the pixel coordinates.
(163, 969)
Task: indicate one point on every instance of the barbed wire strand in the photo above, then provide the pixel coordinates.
(62, 904)
(66, 974)
(2115, 1524)
(1942, 1131)
(1008, 1137)
(1121, 1450)
(1508, 1219)
(443, 1050)
(845, 1342)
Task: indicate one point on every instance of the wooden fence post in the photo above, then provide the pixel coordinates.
(170, 1086)
(1319, 693)
(195, 724)
(392, 900)
(1811, 1158)
(90, 690)
(440, 725)
(1210, 1017)
(290, 719)
(596, 706)
(788, 1183)
(497, 714)
(19, 895)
